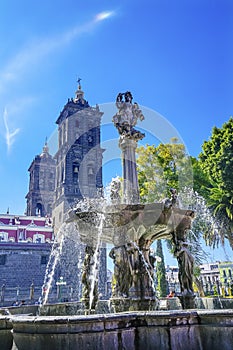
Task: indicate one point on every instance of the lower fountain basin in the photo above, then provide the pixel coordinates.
(168, 330)
(6, 339)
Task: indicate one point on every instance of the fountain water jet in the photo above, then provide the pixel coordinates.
(90, 269)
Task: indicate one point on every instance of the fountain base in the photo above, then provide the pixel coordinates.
(127, 304)
(201, 329)
(187, 301)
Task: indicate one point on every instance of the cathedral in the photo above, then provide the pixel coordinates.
(57, 183)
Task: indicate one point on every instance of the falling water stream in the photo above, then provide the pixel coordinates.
(52, 264)
(96, 259)
(66, 246)
(145, 263)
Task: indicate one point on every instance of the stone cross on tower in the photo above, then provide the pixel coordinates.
(79, 83)
(125, 120)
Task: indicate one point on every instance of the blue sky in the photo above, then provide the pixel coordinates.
(174, 56)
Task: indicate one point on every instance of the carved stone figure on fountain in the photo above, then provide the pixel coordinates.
(87, 275)
(122, 277)
(184, 257)
(172, 201)
(185, 263)
(115, 189)
(174, 197)
(183, 225)
(119, 97)
(128, 97)
(148, 264)
(134, 265)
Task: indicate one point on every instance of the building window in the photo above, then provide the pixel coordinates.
(38, 238)
(3, 236)
(44, 260)
(224, 273)
(75, 172)
(75, 168)
(91, 176)
(21, 235)
(39, 211)
(3, 259)
(213, 267)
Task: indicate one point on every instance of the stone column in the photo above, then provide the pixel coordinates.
(130, 184)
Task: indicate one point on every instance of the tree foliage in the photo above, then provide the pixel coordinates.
(201, 181)
(216, 161)
(162, 167)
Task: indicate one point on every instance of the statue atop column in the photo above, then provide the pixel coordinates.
(125, 120)
(127, 116)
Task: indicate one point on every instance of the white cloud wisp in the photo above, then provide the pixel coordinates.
(9, 135)
(18, 66)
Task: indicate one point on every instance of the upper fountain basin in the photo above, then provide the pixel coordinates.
(123, 223)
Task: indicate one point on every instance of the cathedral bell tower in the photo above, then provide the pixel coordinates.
(79, 155)
(40, 196)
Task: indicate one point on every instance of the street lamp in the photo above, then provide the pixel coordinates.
(3, 292)
(32, 290)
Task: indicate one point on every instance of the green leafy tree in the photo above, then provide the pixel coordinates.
(201, 181)
(197, 281)
(162, 285)
(216, 161)
(162, 167)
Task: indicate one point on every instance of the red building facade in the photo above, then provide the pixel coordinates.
(25, 229)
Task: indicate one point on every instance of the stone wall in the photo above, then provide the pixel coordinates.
(23, 263)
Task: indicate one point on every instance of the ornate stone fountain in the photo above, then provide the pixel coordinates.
(132, 227)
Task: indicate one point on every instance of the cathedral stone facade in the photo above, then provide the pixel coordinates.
(79, 156)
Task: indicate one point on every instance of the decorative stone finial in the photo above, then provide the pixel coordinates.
(45, 148)
(79, 93)
(79, 83)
